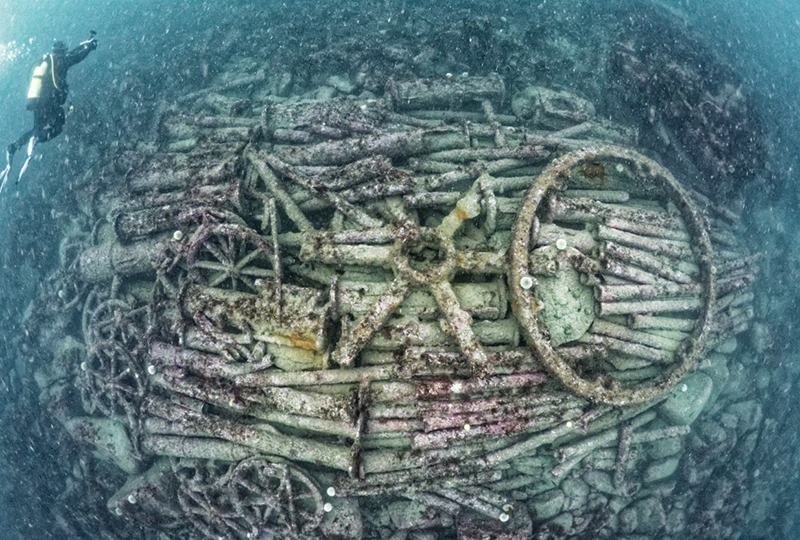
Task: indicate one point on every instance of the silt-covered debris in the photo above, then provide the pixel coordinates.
(445, 306)
(284, 321)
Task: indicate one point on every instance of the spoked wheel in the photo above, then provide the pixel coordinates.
(277, 498)
(252, 499)
(110, 380)
(420, 257)
(230, 256)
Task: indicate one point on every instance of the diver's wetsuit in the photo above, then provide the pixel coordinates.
(48, 111)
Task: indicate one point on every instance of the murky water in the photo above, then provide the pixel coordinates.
(396, 270)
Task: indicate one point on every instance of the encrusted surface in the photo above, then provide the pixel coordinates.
(360, 301)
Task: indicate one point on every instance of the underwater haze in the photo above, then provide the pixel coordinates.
(401, 270)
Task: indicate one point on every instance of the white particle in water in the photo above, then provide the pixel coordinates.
(331, 491)
(151, 369)
(132, 498)
(328, 507)
(526, 282)
(561, 244)
(504, 517)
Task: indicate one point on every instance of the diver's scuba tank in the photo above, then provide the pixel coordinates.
(35, 88)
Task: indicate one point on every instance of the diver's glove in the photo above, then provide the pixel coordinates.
(90, 44)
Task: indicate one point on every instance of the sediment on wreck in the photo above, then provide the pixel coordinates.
(425, 301)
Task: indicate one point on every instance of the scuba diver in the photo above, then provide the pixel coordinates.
(46, 96)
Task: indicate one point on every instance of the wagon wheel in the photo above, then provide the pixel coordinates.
(230, 256)
(420, 258)
(555, 178)
(209, 510)
(275, 498)
(110, 379)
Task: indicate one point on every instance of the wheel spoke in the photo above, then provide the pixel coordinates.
(371, 322)
(217, 252)
(218, 278)
(244, 261)
(209, 265)
(461, 324)
(257, 272)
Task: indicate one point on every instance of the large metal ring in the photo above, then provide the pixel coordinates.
(555, 177)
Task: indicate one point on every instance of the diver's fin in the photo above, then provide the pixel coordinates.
(31, 145)
(4, 174)
(4, 177)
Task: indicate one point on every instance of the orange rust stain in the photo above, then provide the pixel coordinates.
(461, 214)
(301, 341)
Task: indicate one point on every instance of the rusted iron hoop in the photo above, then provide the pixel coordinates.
(555, 177)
